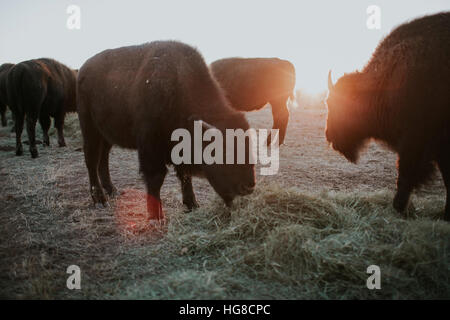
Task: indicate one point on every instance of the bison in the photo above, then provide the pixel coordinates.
(250, 84)
(135, 97)
(40, 89)
(4, 69)
(402, 98)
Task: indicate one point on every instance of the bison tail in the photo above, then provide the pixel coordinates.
(12, 88)
(25, 89)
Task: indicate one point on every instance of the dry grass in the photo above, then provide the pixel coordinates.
(281, 242)
(316, 246)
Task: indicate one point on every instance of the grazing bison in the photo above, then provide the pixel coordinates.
(135, 97)
(4, 69)
(402, 97)
(250, 84)
(40, 89)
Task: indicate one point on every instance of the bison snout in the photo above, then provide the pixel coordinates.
(246, 189)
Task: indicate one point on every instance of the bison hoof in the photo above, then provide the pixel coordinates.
(269, 141)
(192, 205)
(61, 144)
(34, 153)
(154, 223)
(100, 206)
(19, 152)
(228, 203)
(111, 191)
(98, 197)
(4, 123)
(399, 203)
(154, 208)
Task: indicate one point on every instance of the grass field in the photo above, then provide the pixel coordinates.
(309, 232)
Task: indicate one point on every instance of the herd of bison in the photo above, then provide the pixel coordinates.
(136, 96)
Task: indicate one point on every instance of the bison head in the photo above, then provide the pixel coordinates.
(231, 180)
(346, 129)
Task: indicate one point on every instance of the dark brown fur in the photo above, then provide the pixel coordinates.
(250, 84)
(402, 97)
(135, 97)
(4, 69)
(40, 89)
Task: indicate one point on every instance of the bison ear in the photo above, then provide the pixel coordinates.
(330, 81)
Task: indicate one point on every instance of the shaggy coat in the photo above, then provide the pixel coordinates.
(250, 84)
(402, 98)
(135, 97)
(40, 89)
(4, 69)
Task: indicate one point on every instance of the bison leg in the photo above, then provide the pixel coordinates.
(444, 166)
(92, 157)
(31, 131)
(3, 115)
(412, 171)
(92, 150)
(19, 121)
(13, 129)
(404, 189)
(44, 121)
(59, 125)
(186, 189)
(154, 171)
(103, 169)
(280, 113)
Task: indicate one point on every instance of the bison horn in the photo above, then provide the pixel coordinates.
(330, 82)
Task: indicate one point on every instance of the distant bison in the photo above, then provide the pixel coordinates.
(135, 97)
(250, 84)
(402, 97)
(4, 69)
(40, 89)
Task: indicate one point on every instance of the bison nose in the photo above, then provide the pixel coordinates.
(246, 188)
(251, 185)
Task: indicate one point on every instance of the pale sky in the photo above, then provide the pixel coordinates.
(314, 35)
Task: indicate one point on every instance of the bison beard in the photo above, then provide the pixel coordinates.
(250, 84)
(402, 98)
(135, 97)
(40, 89)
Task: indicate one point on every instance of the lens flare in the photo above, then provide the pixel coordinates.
(131, 213)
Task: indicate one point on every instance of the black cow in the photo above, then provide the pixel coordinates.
(402, 97)
(250, 84)
(135, 97)
(40, 89)
(4, 69)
